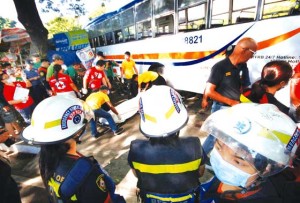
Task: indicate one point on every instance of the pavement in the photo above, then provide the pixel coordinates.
(111, 152)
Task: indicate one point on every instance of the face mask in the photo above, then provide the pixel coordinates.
(226, 172)
(11, 79)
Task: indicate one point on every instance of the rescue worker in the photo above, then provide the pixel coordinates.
(254, 143)
(167, 167)
(57, 123)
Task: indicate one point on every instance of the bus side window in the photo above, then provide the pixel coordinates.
(244, 20)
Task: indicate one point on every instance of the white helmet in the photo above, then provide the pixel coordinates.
(260, 133)
(57, 119)
(162, 112)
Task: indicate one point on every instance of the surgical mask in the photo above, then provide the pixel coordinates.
(226, 172)
(11, 79)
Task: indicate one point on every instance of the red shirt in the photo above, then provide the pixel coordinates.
(63, 84)
(94, 78)
(9, 91)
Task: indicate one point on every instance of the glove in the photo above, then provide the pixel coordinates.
(84, 91)
(119, 117)
(122, 80)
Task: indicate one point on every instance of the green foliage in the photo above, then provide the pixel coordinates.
(7, 23)
(60, 24)
(75, 6)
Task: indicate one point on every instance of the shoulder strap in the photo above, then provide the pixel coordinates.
(75, 177)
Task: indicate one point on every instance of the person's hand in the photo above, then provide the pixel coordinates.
(204, 103)
(24, 100)
(119, 117)
(84, 91)
(122, 80)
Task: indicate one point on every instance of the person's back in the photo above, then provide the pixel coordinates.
(167, 167)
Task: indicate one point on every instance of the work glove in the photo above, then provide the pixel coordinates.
(119, 117)
(84, 91)
(122, 80)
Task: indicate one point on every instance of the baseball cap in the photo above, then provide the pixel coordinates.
(29, 62)
(100, 53)
(56, 57)
(104, 87)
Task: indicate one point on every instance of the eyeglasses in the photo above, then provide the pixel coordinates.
(253, 52)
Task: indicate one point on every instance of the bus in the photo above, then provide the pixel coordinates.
(190, 36)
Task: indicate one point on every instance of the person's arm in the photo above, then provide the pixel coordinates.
(295, 81)
(107, 81)
(135, 69)
(112, 108)
(28, 83)
(210, 89)
(104, 81)
(204, 103)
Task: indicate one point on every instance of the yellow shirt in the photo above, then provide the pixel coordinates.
(96, 100)
(128, 69)
(147, 77)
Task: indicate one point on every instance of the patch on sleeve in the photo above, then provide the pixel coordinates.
(100, 183)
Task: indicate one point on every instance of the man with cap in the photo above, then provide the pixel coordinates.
(56, 59)
(37, 90)
(95, 101)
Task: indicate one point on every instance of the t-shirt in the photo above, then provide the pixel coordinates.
(128, 69)
(50, 71)
(147, 76)
(94, 77)
(97, 99)
(71, 72)
(62, 84)
(226, 77)
(9, 91)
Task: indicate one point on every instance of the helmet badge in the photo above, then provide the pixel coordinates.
(242, 126)
(73, 113)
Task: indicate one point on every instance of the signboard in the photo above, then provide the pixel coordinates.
(86, 56)
(71, 41)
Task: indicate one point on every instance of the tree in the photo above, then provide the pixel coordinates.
(7, 23)
(29, 17)
(60, 24)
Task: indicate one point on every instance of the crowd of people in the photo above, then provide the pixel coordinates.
(252, 143)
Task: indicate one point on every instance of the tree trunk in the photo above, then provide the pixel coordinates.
(29, 17)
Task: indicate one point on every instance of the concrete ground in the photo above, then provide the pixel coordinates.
(110, 151)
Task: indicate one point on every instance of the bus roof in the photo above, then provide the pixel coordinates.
(112, 13)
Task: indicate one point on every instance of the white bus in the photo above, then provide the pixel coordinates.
(190, 36)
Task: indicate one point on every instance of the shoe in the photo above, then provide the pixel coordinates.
(119, 131)
(97, 135)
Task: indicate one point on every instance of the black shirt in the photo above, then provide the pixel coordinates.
(226, 77)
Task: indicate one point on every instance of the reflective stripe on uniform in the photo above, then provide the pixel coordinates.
(170, 199)
(55, 187)
(171, 168)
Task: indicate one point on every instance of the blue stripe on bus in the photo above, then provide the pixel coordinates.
(187, 63)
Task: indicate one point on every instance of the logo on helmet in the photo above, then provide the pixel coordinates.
(72, 113)
(141, 109)
(294, 140)
(175, 99)
(242, 126)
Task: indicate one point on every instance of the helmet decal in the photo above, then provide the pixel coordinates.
(141, 109)
(242, 126)
(175, 99)
(294, 140)
(72, 113)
